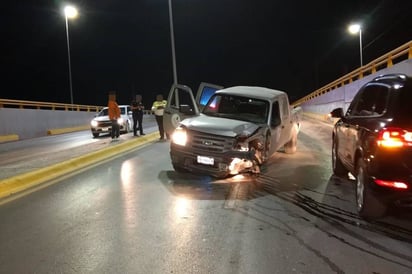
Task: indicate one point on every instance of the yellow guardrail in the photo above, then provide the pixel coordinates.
(8, 138)
(21, 104)
(397, 55)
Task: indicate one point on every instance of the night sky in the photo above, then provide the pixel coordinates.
(295, 46)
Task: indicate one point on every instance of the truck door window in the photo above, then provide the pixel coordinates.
(275, 119)
(181, 97)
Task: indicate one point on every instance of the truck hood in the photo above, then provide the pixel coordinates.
(219, 126)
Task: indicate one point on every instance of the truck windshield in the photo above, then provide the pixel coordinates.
(237, 107)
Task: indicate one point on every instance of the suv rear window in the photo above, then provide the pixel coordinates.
(404, 112)
(372, 101)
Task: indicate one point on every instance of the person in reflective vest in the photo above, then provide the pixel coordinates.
(158, 109)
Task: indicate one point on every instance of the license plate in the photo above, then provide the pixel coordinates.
(105, 129)
(205, 160)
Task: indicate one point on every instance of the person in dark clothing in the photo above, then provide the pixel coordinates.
(137, 113)
(114, 115)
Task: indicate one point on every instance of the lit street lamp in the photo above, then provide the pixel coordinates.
(172, 39)
(353, 29)
(69, 12)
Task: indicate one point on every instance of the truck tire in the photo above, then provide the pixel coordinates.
(290, 146)
(337, 167)
(266, 151)
(179, 169)
(368, 206)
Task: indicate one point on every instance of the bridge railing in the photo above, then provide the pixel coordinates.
(21, 104)
(399, 54)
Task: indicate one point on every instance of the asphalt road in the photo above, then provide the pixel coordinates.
(134, 214)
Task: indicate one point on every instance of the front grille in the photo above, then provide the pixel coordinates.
(208, 142)
(104, 124)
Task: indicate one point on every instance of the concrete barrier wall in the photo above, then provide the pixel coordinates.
(342, 96)
(30, 123)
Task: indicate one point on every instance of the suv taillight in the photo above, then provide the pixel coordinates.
(394, 138)
(391, 184)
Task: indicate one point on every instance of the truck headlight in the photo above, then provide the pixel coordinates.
(120, 121)
(179, 136)
(93, 123)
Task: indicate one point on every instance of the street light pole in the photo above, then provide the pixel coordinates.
(356, 28)
(172, 39)
(360, 46)
(69, 12)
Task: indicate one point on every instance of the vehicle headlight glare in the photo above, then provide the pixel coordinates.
(179, 137)
(120, 121)
(93, 123)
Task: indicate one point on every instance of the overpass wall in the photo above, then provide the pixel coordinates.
(342, 96)
(30, 123)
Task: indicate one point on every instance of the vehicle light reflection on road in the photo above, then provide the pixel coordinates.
(239, 177)
(125, 173)
(181, 207)
(128, 191)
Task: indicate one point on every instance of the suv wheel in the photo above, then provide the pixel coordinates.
(367, 205)
(337, 166)
(95, 135)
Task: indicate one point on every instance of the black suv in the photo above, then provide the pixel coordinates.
(373, 141)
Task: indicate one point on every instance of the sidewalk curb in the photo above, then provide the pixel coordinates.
(56, 131)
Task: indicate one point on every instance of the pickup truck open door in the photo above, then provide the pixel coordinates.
(181, 104)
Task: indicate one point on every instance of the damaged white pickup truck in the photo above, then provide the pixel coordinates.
(237, 130)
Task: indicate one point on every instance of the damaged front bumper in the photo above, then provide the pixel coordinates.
(217, 164)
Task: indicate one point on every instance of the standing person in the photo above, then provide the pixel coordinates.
(158, 109)
(114, 115)
(137, 113)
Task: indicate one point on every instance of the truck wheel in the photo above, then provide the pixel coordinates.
(267, 148)
(290, 147)
(368, 206)
(337, 166)
(95, 135)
